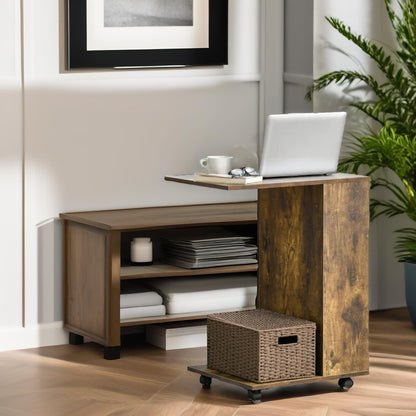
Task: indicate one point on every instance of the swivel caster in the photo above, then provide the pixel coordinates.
(205, 381)
(345, 383)
(254, 396)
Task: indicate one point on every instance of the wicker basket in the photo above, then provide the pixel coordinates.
(261, 345)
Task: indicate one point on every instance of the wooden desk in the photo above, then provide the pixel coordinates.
(313, 261)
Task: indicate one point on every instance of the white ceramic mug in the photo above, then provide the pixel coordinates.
(219, 165)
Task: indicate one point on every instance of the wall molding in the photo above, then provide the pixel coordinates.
(33, 336)
(271, 62)
(297, 79)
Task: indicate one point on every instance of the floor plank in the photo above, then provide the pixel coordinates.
(147, 381)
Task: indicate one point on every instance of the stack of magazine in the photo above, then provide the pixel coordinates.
(215, 248)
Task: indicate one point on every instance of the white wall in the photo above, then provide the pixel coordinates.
(298, 54)
(332, 52)
(272, 51)
(105, 139)
(10, 167)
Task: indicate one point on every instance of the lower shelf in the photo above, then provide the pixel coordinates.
(251, 385)
(173, 318)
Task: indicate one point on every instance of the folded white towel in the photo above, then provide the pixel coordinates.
(207, 303)
(199, 294)
(142, 312)
(130, 300)
(226, 286)
(133, 294)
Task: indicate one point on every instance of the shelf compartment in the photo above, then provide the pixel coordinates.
(159, 269)
(171, 318)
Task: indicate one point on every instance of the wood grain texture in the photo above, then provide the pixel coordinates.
(290, 235)
(113, 288)
(93, 245)
(85, 281)
(345, 259)
(93, 257)
(75, 380)
(165, 217)
(92, 276)
(312, 237)
(158, 269)
(251, 385)
(191, 316)
(271, 182)
(313, 264)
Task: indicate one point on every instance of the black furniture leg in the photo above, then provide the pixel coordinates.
(75, 339)
(112, 353)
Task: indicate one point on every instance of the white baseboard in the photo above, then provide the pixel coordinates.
(32, 337)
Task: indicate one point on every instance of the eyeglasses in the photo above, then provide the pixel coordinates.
(246, 171)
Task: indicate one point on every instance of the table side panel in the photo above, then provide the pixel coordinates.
(290, 254)
(85, 279)
(346, 227)
(113, 288)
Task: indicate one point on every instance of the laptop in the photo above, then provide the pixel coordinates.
(302, 144)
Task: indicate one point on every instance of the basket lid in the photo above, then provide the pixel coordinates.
(260, 319)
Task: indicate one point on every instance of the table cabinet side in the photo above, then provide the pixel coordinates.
(313, 263)
(91, 281)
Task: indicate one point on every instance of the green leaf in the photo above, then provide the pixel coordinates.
(387, 153)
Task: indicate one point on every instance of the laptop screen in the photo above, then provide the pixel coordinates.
(302, 144)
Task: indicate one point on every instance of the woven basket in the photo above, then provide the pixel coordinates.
(261, 345)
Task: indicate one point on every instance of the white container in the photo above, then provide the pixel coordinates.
(177, 335)
(141, 250)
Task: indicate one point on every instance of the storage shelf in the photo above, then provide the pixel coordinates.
(156, 218)
(173, 318)
(251, 385)
(158, 269)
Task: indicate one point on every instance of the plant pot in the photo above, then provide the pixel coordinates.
(410, 283)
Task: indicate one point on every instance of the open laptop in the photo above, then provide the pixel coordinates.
(302, 144)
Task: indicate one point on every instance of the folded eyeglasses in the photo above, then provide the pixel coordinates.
(246, 171)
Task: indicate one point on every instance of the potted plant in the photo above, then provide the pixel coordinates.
(391, 146)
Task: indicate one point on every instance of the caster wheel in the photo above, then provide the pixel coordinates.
(345, 383)
(206, 382)
(254, 396)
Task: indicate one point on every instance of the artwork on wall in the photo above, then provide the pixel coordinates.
(146, 33)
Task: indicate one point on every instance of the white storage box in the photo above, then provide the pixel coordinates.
(177, 335)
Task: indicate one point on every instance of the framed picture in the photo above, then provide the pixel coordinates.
(147, 33)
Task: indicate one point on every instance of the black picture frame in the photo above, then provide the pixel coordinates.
(78, 57)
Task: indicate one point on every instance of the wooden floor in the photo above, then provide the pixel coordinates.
(75, 380)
